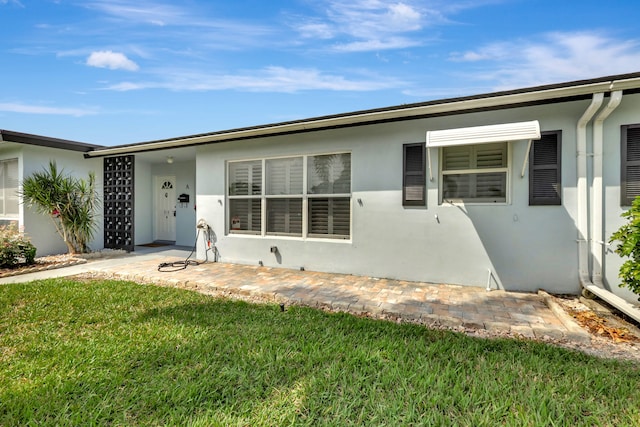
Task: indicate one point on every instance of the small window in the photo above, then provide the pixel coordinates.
(413, 175)
(9, 188)
(544, 170)
(630, 164)
(475, 173)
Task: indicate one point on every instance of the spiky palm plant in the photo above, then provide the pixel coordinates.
(70, 202)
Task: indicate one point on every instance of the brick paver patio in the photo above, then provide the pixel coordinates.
(451, 306)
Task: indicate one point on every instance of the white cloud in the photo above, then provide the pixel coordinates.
(375, 25)
(316, 30)
(376, 45)
(553, 57)
(149, 12)
(270, 79)
(402, 16)
(39, 109)
(155, 13)
(372, 18)
(492, 52)
(16, 2)
(111, 60)
(366, 25)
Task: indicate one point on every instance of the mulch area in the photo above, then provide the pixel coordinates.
(43, 263)
(598, 325)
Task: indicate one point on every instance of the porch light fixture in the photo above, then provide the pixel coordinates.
(169, 159)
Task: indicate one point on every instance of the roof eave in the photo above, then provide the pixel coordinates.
(45, 141)
(552, 93)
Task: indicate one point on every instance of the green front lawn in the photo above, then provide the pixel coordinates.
(118, 353)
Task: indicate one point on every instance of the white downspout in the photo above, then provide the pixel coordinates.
(597, 204)
(582, 188)
(598, 240)
(596, 285)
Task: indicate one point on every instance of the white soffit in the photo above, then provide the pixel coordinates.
(484, 134)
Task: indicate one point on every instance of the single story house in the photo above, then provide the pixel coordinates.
(517, 190)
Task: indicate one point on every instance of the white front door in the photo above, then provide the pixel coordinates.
(165, 208)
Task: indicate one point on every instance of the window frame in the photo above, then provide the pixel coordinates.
(287, 196)
(625, 200)
(304, 196)
(4, 194)
(546, 201)
(475, 171)
(249, 197)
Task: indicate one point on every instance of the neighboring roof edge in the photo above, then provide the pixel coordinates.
(580, 89)
(45, 141)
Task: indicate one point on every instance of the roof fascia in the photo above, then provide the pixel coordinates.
(545, 94)
(44, 141)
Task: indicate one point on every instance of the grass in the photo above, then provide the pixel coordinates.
(118, 353)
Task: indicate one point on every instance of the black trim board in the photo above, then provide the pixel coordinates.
(45, 141)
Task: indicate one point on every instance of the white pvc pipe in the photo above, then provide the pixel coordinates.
(597, 216)
(582, 189)
(583, 204)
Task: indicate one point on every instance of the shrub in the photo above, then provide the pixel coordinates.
(15, 248)
(71, 203)
(628, 238)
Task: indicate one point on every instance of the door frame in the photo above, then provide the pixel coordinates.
(159, 180)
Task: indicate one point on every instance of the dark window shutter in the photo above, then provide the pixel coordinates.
(545, 171)
(413, 175)
(630, 164)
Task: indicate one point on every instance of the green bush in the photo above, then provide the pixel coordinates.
(71, 203)
(15, 248)
(628, 238)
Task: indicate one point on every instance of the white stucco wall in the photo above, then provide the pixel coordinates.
(143, 202)
(525, 247)
(626, 114)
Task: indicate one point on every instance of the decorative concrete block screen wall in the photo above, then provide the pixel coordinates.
(118, 202)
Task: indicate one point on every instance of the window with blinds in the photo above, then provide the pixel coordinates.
(414, 175)
(302, 196)
(544, 170)
(329, 195)
(245, 197)
(284, 178)
(9, 188)
(630, 164)
(475, 173)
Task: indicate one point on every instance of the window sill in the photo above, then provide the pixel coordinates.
(460, 203)
(291, 238)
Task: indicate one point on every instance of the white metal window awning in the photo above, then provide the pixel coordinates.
(483, 135)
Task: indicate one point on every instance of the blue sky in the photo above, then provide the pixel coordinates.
(122, 71)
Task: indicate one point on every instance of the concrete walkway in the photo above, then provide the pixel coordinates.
(450, 306)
